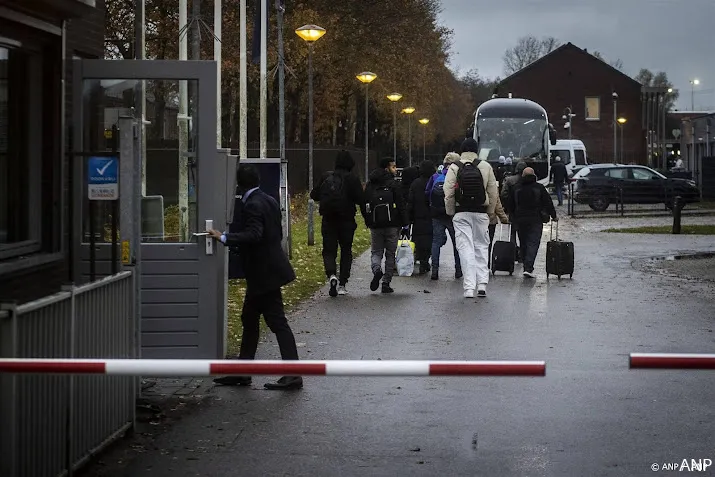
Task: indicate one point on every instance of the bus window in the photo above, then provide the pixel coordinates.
(564, 154)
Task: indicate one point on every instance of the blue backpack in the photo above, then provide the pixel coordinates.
(436, 195)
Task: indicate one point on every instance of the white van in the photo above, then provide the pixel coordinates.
(572, 153)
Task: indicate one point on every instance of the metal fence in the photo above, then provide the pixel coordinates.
(620, 202)
(50, 424)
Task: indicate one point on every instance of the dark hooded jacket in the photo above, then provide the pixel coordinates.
(419, 209)
(409, 175)
(507, 187)
(351, 189)
(528, 200)
(381, 178)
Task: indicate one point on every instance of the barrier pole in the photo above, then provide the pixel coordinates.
(187, 367)
(671, 361)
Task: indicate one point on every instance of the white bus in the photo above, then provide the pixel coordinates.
(518, 128)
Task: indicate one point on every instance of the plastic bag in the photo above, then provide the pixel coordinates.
(405, 259)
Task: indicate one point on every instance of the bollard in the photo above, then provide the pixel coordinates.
(677, 207)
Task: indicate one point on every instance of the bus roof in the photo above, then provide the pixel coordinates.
(511, 108)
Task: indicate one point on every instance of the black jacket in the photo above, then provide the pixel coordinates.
(559, 174)
(419, 209)
(265, 265)
(527, 199)
(352, 193)
(382, 178)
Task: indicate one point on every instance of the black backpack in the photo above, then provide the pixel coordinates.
(470, 193)
(332, 198)
(382, 206)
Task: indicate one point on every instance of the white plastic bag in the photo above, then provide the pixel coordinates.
(405, 259)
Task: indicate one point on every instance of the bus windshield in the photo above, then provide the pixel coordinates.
(520, 138)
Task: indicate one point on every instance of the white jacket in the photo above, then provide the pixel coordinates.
(490, 184)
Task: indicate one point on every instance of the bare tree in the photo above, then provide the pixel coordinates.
(527, 50)
(658, 80)
(617, 64)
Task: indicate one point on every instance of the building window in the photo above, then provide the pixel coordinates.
(21, 141)
(593, 108)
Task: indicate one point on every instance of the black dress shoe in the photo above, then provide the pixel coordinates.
(286, 383)
(233, 380)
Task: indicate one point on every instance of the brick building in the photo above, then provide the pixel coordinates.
(571, 77)
(35, 171)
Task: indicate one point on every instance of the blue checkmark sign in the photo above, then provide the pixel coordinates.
(102, 178)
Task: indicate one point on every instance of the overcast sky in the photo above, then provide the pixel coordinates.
(675, 36)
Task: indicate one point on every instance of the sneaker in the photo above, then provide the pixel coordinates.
(342, 290)
(386, 288)
(468, 293)
(529, 274)
(482, 290)
(333, 286)
(435, 274)
(376, 277)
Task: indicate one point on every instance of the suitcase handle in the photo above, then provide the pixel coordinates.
(501, 230)
(551, 235)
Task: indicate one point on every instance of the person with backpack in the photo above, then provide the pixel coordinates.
(470, 197)
(385, 215)
(532, 207)
(505, 193)
(441, 222)
(420, 217)
(338, 192)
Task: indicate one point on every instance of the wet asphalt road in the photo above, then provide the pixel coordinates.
(590, 415)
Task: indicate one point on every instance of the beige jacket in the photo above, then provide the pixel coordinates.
(490, 181)
(498, 214)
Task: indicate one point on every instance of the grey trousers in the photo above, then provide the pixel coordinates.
(384, 242)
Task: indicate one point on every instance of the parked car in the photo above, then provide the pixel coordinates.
(600, 185)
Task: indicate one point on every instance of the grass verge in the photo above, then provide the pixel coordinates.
(667, 229)
(307, 262)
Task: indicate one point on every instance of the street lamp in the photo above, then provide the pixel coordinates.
(568, 117)
(311, 34)
(424, 122)
(394, 97)
(408, 111)
(621, 122)
(693, 83)
(615, 124)
(366, 78)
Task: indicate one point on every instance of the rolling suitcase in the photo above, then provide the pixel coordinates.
(559, 255)
(503, 253)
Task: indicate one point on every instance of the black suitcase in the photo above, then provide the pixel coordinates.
(503, 253)
(559, 255)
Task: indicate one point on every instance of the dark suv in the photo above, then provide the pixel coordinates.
(600, 185)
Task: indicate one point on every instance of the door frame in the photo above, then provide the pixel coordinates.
(211, 180)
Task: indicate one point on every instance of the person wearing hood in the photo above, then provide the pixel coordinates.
(339, 192)
(385, 214)
(420, 217)
(530, 203)
(408, 176)
(505, 194)
(470, 190)
(441, 222)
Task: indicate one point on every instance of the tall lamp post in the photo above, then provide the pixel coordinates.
(394, 97)
(615, 125)
(366, 78)
(693, 83)
(568, 117)
(408, 111)
(311, 34)
(424, 122)
(621, 122)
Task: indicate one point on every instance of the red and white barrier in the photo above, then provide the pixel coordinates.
(672, 360)
(189, 367)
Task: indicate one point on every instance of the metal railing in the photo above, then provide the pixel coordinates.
(49, 424)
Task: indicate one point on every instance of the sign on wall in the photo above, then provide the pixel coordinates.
(103, 178)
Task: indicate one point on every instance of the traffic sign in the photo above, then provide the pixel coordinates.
(103, 178)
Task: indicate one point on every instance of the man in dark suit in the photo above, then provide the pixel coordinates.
(267, 269)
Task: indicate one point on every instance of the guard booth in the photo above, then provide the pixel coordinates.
(172, 184)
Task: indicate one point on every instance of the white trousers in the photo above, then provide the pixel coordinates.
(471, 229)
